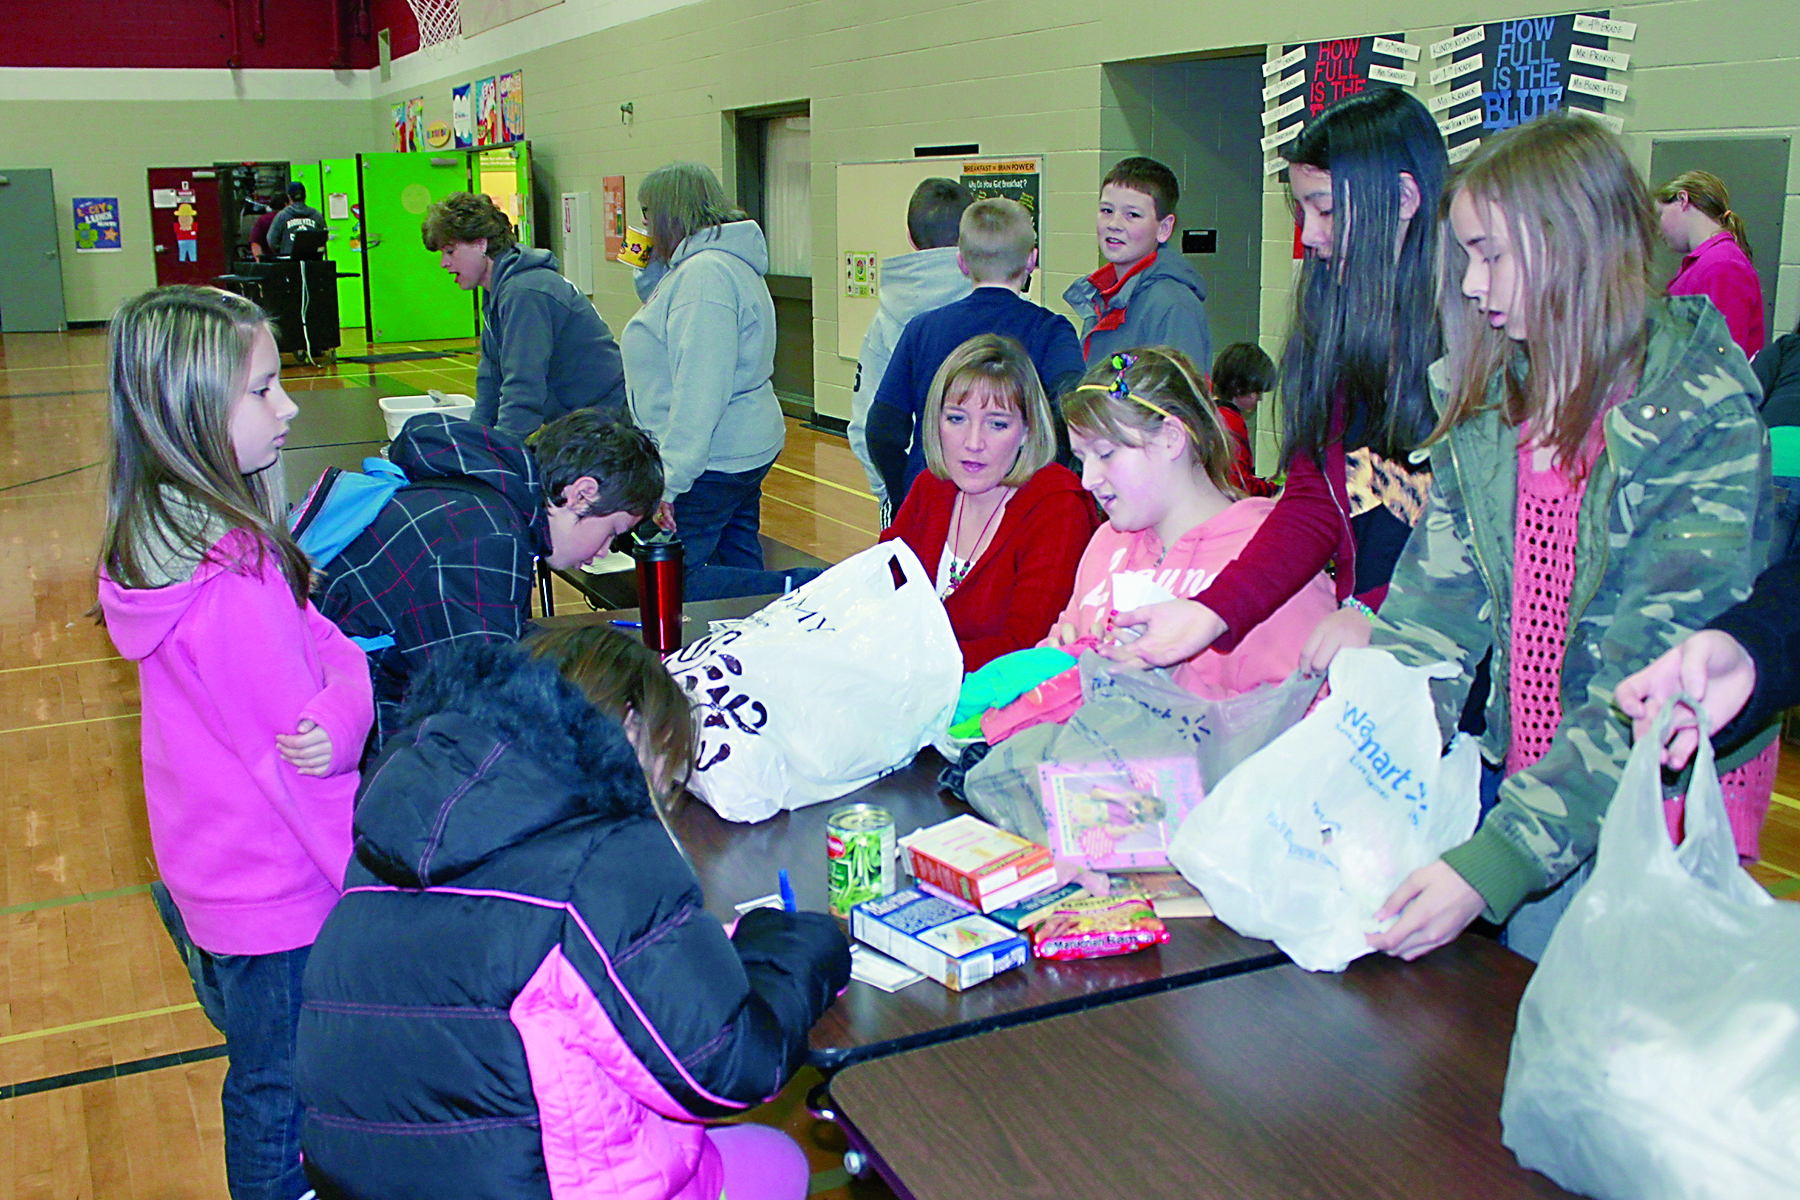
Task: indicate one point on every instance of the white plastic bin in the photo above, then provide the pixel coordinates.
(396, 409)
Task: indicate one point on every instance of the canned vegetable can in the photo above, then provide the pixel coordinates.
(859, 849)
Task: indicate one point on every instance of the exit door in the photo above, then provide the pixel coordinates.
(31, 285)
(411, 297)
(185, 229)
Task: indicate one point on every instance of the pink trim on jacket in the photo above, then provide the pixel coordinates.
(252, 851)
(1266, 654)
(610, 1130)
(605, 960)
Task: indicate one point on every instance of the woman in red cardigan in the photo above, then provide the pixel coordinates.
(998, 524)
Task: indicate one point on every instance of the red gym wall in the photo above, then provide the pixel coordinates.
(199, 33)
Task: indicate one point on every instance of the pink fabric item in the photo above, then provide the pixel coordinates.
(1052, 701)
(1719, 269)
(610, 1130)
(760, 1163)
(252, 851)
(1267, 654)
(1544, 532)
(1749, 788)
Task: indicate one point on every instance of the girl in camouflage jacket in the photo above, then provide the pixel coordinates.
(1600, 489)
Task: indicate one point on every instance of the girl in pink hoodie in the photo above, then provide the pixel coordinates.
(255, 707)
(1155, 455)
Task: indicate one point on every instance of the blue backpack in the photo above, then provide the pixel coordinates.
(341, 505)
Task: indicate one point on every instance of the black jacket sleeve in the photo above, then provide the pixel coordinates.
(1768, 626)
(721, 1023)
(890, 437)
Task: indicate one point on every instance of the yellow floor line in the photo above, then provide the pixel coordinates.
(63, 724)
(1788, 801)
(810, 511)
(97, 1022)
(1763, 862)
(80, 662)
(828, 483)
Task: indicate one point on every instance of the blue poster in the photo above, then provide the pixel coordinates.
(1509, 72)
(96, 224)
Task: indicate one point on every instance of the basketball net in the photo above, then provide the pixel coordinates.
(440, 25)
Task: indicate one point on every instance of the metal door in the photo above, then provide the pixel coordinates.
(341, 202)
(31, 283)
(186, 229)
(411, 297)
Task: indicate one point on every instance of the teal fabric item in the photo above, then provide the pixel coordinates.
(1784, 450)
(1007, 678)
(327, 521)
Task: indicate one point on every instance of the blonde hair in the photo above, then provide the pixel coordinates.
(179, 357)
(620, 676)
(1128, 397)
(1581, 227)
(1000, 367)
(996, 240)
(1707, 192)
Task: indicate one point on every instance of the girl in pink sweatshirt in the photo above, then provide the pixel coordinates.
(255, 707)
(1155, 455)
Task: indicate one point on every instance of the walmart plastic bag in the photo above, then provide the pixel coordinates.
(1130, 716)
(1658, 1044)
(830, 687)
(1306, 839)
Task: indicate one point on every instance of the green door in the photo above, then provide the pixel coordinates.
(340, 199)
(411, 298)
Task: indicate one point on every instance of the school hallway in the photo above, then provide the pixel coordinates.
(109, 1074)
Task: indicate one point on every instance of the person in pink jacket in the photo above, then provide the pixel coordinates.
(1155, 455)
(255, 707)
(1158, 459)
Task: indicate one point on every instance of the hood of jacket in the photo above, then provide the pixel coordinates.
(920, 281)
(138, 619)
(497, 749)
(517, 261)
(742, 239)
(436, 446)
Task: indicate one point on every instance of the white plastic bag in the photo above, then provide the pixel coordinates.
(828, 688)
(1306, 838)
(1658, 1044)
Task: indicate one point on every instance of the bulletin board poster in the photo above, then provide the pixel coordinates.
(1017, 179)
(97, 225)
(612, 214)
(1508, 72)
(487, 111)
(415, 123)
(512, 106)
(462, 115)
(1310, 77)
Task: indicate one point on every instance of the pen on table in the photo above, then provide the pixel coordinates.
(788, 903)
(627, 624)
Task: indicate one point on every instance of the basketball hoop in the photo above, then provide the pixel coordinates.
(440, 25)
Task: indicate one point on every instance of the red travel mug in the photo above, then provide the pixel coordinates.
(659, 570)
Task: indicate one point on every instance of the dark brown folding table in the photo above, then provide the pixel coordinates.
(1381, 1082)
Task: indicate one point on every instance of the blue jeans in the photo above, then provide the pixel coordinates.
(254, 1000)
(719, 518)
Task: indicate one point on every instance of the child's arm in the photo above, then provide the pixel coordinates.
(343, 711)
(1044, 567)
(1063, 364)
(890, 425)
(1293, 544)
(527, 334)
(245, 638)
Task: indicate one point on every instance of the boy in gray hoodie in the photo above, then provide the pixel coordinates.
(545, 351)
(1145, 294)
(911, 284)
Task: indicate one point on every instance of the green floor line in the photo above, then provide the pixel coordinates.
(58, 902)
(824, 1181)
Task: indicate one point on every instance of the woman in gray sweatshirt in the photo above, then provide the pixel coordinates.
(698, 360)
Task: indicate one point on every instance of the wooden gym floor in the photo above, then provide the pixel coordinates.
(109, 1074)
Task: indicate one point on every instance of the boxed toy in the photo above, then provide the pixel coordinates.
(946, 941)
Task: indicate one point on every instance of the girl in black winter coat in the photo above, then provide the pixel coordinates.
(521, 993)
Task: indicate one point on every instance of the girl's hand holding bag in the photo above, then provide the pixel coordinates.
(1658, 1045)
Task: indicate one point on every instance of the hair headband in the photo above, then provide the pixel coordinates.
(1119, 390)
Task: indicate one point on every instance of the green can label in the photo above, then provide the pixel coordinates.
(859, 849)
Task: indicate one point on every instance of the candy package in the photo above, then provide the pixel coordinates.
(1096, 927)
